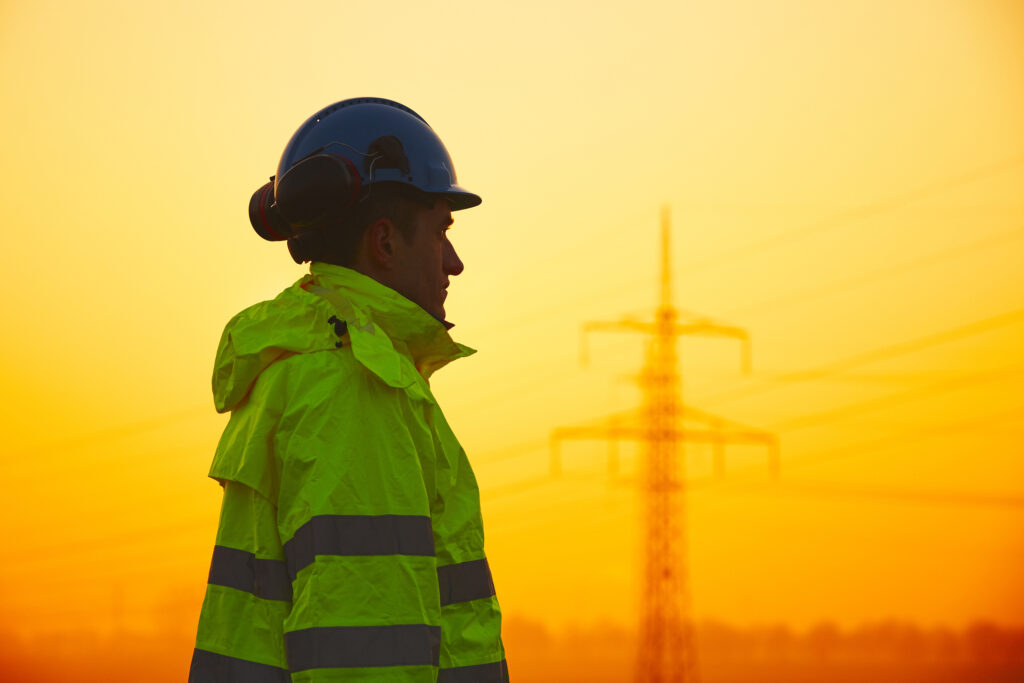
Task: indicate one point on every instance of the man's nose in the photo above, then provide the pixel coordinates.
(452, 263)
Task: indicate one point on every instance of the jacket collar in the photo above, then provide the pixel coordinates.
(368, 306)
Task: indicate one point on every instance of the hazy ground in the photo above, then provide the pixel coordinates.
(879, 653)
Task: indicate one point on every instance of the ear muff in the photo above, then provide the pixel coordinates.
(263, 214)
(316, 191)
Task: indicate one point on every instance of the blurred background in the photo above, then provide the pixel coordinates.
(846, 184)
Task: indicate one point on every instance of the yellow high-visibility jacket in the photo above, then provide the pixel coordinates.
(350, 545)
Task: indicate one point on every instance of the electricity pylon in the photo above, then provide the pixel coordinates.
(667, 652)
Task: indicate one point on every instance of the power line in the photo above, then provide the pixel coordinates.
(818, 290)
(875, 355)
(126, 430)
(90, 546)
(860, 212)
(162, 421)
(856, 213)
(822, 225)
(812, 293)
(870, 447)
(824, 417)
(873, 446)
(509, 452)
(864, 448)
(518, 390)
(833, 491)
(525, 485)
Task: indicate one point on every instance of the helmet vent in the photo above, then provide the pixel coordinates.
(386, 152)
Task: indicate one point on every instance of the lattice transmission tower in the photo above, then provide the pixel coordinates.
(667, 652)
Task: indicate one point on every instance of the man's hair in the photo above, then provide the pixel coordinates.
(339, 244)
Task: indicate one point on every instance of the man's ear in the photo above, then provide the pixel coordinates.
(380, 242)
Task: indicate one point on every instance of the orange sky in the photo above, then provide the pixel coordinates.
(844, 177)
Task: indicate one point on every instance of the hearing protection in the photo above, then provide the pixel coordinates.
(318, 190)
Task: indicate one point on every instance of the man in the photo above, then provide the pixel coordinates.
(350, 545)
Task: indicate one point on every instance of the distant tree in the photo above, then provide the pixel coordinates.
(723, 640)
(987, 642)
(779, 641)
(823, 639)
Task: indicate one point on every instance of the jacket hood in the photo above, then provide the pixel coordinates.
(381, 326)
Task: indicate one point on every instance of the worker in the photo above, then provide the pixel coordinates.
(350, 545)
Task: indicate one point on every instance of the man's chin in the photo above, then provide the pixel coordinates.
(435, 311)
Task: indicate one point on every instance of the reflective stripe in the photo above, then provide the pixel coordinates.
(465, 581)
(353, 646)
(210, 667)
(358, 535)
(480, 673)
(267, 579)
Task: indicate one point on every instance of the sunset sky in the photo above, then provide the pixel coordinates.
(846, 183)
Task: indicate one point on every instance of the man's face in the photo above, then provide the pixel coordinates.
(424, 265)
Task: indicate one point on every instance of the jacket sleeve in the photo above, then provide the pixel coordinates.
(247, 597)
(354, 518)
(471, 645)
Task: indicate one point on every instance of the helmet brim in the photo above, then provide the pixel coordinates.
(460, 198)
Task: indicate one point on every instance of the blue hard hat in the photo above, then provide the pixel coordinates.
(385, 141)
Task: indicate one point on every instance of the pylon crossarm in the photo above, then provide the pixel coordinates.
(715, 436)
(724, 436)
(709, 329)
(716, 421)
(612, 433)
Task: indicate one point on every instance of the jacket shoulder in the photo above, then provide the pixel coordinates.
(295, 322)
(301, 399)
